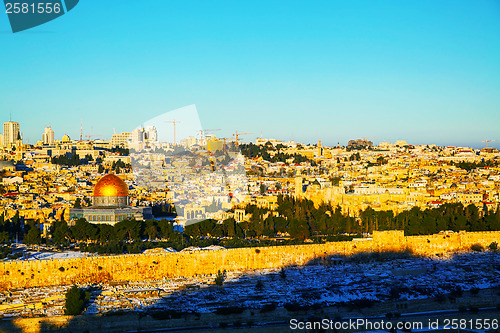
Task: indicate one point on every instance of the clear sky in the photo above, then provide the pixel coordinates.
(423, 71)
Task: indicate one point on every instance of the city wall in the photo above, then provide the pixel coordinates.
(139, 267)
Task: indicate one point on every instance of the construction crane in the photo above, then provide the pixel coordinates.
(203, 133)
(225, 140)
(486, 141)
(237, 136)
(173, 122)
(91, 135)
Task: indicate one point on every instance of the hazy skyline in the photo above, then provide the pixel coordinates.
(426, 72)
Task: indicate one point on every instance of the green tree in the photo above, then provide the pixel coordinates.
(472, 215)
(298, 229)
(75, 301)
(151, 229)
(166, 229)
(219, 279)
(33, 236)
(229, 226)
(78, 203)
(4, 237)
(60, 233)
(128, 230)
(83, 230)
(106, 233)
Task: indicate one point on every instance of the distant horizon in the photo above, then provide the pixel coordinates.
(425, 71)
(58, 137)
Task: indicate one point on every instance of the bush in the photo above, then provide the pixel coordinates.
(493, 246)
(477, 247)
(283, 274)
(219, 279)
(75, 301)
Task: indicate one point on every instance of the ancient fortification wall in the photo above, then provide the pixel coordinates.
(21, 274)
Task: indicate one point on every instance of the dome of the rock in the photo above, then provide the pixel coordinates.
(110, 204)
(110, 186)
(110, 190)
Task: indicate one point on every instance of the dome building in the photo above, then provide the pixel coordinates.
(110, 190)
(110, 203)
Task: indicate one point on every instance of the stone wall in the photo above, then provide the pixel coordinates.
(138, 267)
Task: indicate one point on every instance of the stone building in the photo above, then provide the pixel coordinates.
(110, 203)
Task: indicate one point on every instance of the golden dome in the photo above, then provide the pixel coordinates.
(110, 186)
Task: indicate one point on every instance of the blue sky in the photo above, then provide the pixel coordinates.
(423, 71)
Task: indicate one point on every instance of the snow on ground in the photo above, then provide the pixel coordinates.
(55, 255)
(344, 282)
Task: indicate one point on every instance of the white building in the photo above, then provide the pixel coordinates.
(151, 134)
(120, 139)
(48, 136)
(10, 133)
(137, 135)
(137, 139)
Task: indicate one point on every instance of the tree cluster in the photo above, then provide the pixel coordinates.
(126, 230)
(120, 151)
(116, 166)
(301, 219)
(298, 219)
(72, 160)
(473, 165)
(11, 228)
(253, 151)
